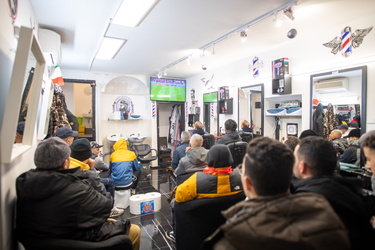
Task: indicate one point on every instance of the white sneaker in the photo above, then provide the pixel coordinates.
(116, 212)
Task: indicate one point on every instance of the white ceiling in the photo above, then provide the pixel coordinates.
(170, 32)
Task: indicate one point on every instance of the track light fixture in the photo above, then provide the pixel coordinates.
(289, 13)
(243, 35)
(286, 8)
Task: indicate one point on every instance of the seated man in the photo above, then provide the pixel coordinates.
(99, 163)
(180, 151)
(123, 163)
(231, 134)
(67, 134)
(198, 129)
(314, 171)
(352, 153)
(368, 146)
(193, 161)
(245, 127)
(340, 144)
(272, 218)
(54, 201)
(216, 180)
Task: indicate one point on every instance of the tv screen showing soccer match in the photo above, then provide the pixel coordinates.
(163, 89)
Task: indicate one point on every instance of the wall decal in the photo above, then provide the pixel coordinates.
(255, 66)
(207, 81)
(347, 41)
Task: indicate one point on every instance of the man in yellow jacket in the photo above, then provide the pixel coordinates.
(217, 179)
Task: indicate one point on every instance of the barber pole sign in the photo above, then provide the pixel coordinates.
(153, 109)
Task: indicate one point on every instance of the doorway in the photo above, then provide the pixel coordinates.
(80, 101)
(164, 119)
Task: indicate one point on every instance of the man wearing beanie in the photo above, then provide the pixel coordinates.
(217, 179)
(80, 156)
(55, 201)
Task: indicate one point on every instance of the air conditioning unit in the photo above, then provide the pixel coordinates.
(50, 42)
(332, 85)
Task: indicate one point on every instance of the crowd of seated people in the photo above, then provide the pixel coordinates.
(292, 197)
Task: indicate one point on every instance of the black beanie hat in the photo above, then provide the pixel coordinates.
(219, 156)
(81, 149)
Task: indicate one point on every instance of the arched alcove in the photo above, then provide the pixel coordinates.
(126, 85)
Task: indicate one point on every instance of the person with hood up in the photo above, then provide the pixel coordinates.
(216, 180)
(123, 164)
(193, 161)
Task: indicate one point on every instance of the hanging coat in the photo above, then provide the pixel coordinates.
(318, 120)
(329, 121)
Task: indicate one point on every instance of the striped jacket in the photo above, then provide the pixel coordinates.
(202, 185)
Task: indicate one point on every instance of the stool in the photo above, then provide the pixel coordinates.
(122, 197)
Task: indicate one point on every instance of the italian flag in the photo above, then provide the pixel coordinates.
(56, 76)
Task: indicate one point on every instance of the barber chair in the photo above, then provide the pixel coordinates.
(199, 218)
(208, 141)
(118, 242)
(144, 153)
(238, 151)
(246, 136)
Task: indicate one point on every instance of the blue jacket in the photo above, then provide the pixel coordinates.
(122, 164)
(179, 152)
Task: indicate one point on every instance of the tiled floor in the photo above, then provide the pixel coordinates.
(154, 225)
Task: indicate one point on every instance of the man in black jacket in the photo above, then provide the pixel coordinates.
(314, 171)
(231, 134)
(54, 201)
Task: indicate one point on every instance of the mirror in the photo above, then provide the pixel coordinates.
(210, 113)
(28, 54)
(251, 108)
(80, 106)
(345, 90)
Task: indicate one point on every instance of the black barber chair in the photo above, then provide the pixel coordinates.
(208, 141)
(199, 218)
(143, 151)
(246, 136)
(238, 151)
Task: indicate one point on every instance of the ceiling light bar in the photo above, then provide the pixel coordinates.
(244, 27)
(109, 48)
(132, 12)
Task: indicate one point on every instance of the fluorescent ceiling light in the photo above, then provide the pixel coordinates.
(109, 48)
(132, 12)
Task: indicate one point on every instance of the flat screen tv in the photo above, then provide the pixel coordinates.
(210, 97)
(163, 89)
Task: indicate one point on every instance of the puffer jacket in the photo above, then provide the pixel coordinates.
(122, 164)
(62, 204)
(303, 221)
(202, 185)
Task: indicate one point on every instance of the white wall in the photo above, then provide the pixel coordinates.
(9, 172)
(320, 24)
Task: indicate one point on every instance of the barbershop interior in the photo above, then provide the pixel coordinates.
(110, 71)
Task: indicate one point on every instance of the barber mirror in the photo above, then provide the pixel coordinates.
(23, 96)
(210, 117)
(250, 107)
(345, 90)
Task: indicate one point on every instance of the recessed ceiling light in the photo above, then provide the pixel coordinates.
(109, 48)
(132, 12)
